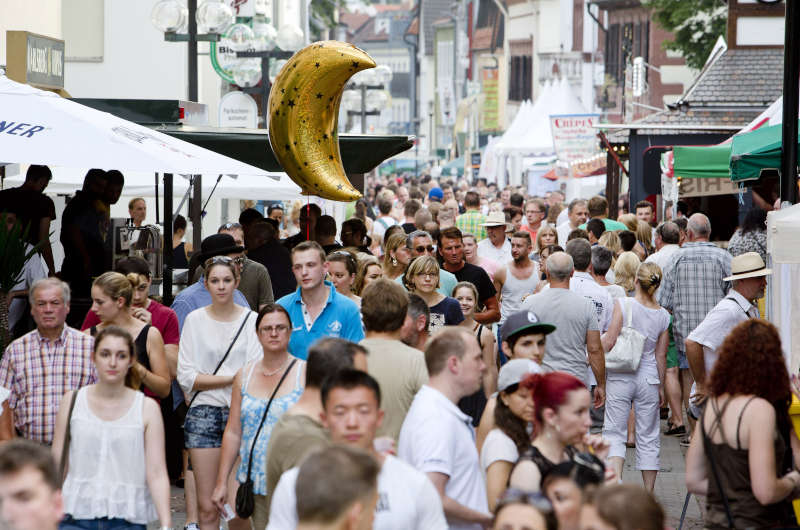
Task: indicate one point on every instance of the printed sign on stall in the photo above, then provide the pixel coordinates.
(574, 136)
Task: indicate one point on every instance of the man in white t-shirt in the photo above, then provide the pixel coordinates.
(577, 214)
(352, 414)
(438, 439)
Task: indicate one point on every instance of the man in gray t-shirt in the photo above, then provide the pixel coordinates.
(577, 330)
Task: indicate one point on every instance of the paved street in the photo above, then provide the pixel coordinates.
(670, 489)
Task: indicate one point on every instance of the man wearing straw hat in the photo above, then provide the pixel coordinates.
(749, 278)
(496, 246)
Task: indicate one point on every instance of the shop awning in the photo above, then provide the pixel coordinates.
(754, 152)
(702, 161)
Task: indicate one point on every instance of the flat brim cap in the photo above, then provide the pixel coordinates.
(524, 321)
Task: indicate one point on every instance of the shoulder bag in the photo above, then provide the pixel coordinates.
(627, 351)
(181, 412)
(62, 468)
(245, 500)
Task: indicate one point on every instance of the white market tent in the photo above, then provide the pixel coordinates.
(783, 297)
(536, 139)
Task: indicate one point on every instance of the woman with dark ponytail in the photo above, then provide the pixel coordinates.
(644, 389)
(513, 414)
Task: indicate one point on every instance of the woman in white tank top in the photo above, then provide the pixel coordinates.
(116, 470)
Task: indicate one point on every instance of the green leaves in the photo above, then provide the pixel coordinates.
(696, 25)
(14, 253)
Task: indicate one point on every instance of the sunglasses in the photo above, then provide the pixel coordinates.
(344, 253)
(420, 249)
(230, 226)
(517, 496)
(227, 260)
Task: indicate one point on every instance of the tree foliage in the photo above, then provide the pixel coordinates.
(696, 24)
(14, 253)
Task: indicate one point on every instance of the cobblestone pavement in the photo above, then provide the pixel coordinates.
(670, 489)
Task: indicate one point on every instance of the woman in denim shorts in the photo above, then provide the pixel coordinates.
(208, 333)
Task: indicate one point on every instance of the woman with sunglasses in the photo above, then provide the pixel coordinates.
(253, 385)
(562, 422)
(342, 270)
(116, 471)
(112, 294)
(564, 486)
(217, 340)
(422, 278)
(520, 510)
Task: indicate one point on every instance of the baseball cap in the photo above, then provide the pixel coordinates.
(436, 194)
(524, 321)
(514, 371)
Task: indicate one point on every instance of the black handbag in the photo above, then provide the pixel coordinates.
(245, 499)
(180, 411)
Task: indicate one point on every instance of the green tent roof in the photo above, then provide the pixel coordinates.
(695, 161)
(755, 151)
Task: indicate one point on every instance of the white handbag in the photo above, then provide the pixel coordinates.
(626, 354)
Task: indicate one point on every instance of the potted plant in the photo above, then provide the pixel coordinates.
(15, 251)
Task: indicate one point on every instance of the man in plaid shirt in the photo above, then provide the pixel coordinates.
(693, 284)
(41, 366)
(470, 221)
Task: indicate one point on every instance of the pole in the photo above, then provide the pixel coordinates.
(192, 48)
(166, 275)
(158, 215)
(791, 70)
(197, 214)
(363, 109)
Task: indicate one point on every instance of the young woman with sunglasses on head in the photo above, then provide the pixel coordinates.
(369, 269)
(521, 510)
(116, 471)
(342, 270)
(216, 342)
(112, 294)
(253, 385)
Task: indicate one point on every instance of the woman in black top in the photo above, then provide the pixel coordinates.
(111, 301)
(562, 422)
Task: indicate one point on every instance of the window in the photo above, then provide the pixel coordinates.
(520, 86)
(613, 52)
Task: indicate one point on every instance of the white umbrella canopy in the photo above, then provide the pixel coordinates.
(40, 127)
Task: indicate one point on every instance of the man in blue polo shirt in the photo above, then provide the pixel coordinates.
(316, 309)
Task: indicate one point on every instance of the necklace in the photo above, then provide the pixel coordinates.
(270, 374)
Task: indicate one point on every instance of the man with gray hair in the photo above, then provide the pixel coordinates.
(694, 281)
(41, 366)
(577, 330)
(576, 214)
(668, 235)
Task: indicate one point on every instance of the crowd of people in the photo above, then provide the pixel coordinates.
(448, 357)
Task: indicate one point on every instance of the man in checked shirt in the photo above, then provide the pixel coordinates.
(39, 367)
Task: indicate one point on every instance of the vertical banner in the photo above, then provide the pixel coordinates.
(490, 111)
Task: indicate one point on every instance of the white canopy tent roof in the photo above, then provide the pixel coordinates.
(537, 138)
(142, 184)
(40, 127)
(783, 297)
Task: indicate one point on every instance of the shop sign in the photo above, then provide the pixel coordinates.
(574, 136)
(34, 59)
(237, 109)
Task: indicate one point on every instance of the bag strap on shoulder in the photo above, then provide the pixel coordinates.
(62, 472)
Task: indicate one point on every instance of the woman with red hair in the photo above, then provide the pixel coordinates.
(740, 458)
(561, 428)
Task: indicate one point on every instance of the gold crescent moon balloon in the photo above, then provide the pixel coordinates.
(303, 116)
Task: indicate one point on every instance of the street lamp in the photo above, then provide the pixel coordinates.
(171, 17)
(366, 94)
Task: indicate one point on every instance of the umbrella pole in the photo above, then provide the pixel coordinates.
(196, 210)
(158, 214)
(791, 70)
(166, 276)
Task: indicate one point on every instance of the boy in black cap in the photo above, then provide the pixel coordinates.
(524, 336)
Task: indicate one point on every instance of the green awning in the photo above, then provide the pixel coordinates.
(454, 167)
(754, 152)
(708, 161)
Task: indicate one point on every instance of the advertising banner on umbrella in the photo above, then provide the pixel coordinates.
(574, 136)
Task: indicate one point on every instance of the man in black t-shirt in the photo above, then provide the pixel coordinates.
(451, 249)
(38, 210)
